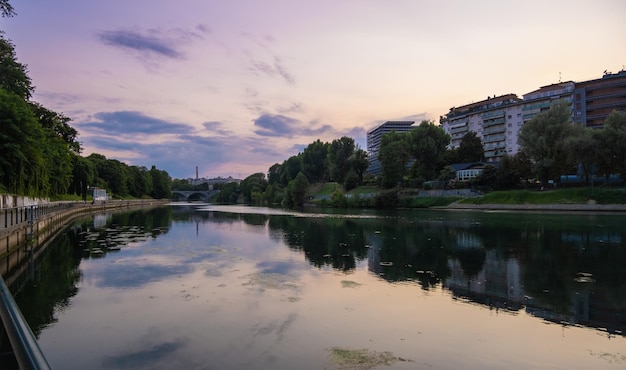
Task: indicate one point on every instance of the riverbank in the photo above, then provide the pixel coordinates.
(589, 207)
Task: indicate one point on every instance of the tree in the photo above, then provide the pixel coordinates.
(470, 148)
(298, 188)
(13, 74)
(161, 184)
(22, 162)
(612, 150)
(543, 139)
(582, 148)
(273, 174)
(359, 162)
(339, 155)
(315, 161)
(6, 9)
(83, 174)
(290, 169)
(393, 156)
(427, 145)
(252, 187)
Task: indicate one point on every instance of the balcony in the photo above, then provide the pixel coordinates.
(540, 105)
(497, 121)
(493, 114)
(490, 139)
(494, 130)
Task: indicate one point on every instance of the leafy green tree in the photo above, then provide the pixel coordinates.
(22, 163)
(298, 189)
(351, 181)
(339, 155)
(359, 162)
(6, 9)
(274, 173)
(161, 184)
(290, 169)
(470, 148)
(488, 177)
(83, 174)
(13, 74)
(252, 187)
(427, 145)
(582, 148)
(315, 161)
(393, 156)
(544, 137)
(57, 125)
(139, 181)
(612, 148)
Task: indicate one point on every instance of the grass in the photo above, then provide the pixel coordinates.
(559, 196)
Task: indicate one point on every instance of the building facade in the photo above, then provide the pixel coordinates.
(594, 100)
(496, 122)
(374, 138)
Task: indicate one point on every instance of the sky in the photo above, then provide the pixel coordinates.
(233, 87)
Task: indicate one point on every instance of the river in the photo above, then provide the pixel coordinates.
(200, 286)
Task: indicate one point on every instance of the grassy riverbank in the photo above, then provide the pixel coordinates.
(331, 194)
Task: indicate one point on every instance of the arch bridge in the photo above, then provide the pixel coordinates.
(193, 195)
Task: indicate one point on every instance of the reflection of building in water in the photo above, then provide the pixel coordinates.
(497, 284)
(100, 221)
(373, 253)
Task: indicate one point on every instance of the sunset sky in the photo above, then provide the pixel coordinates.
(235, 86)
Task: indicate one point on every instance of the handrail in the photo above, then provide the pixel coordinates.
(23, 342)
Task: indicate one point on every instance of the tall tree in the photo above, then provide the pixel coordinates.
(470, 148)
(582, 148)
(161, 184)
(13, 74)
(427, 145)
(612, 147)
(22, 162)
(393, 156)
(6, 9)
(339, 155)
(359, 162)
(543, 139)
(314, 161)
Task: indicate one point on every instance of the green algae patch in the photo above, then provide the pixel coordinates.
(360, 359)
(268, 280)
(349, 284)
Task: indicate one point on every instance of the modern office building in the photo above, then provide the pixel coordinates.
(595, 99)
(495, 120)
(374, 137)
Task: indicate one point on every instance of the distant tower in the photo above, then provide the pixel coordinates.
(196, 172)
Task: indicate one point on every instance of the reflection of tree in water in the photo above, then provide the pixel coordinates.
(335, 242)
(57, 271)
(472, 260)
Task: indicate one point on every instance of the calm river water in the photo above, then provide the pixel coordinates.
(234, 287)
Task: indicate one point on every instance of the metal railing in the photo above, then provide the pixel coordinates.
(24, 345)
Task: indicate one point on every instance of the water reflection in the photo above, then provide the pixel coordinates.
(567, 269)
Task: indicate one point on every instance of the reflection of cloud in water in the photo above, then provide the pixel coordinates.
(135, 275)
(148, 357)
(276, 327)
(277, 267)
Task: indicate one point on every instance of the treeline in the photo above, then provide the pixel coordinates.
(287, 183)
(40, 154)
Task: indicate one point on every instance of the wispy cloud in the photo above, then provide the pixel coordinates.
(153, 43)
(131, 122)
(274, 69)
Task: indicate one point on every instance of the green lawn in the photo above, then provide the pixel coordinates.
(559, 196)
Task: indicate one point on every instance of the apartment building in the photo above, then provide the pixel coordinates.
(374, 137)
(595, 99)
(496, 120)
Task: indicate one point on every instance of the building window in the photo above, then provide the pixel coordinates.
(510, 124)
(509, 117)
